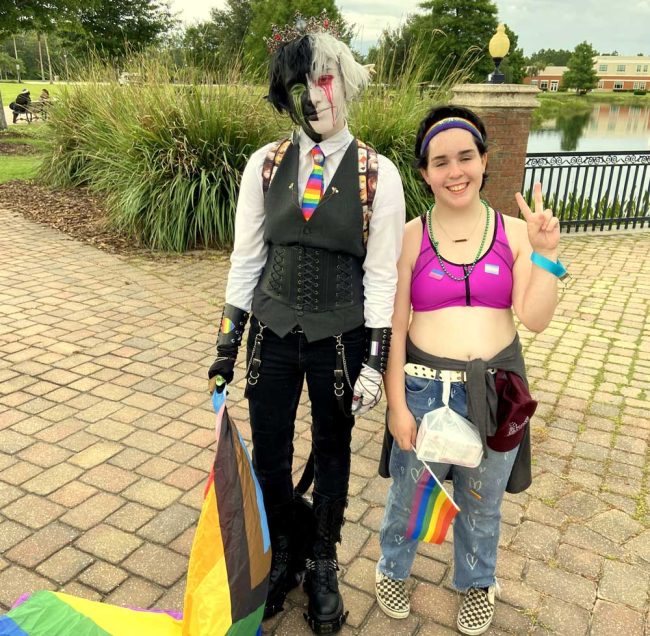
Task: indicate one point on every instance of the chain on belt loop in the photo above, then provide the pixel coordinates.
(253, 370)
(340, 371)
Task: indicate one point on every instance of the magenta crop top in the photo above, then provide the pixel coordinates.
(489, 284)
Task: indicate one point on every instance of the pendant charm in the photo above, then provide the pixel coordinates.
(460, 240)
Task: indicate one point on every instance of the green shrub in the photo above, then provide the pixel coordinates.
(583, 212)
(167, 158)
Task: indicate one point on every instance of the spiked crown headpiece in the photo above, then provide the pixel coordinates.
(302, 26)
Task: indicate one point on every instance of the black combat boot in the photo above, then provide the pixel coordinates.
(325, 611)
(282, 578)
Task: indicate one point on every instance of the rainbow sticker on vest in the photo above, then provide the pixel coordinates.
(227, 325)
(436, 273)
(491, 269)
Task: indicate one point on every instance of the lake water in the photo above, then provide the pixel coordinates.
(609, 127)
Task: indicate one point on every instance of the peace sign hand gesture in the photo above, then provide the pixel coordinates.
(543, 227)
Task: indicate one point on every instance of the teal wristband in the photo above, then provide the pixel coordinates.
(555, 268)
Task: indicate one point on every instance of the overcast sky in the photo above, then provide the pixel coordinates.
(556, 24)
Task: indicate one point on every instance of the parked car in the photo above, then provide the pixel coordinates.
(130, 78)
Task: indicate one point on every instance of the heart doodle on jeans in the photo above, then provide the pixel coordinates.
(482, 469)
(471, 522)
(399, 539)
(499, 481)
(471, 560)
(430, 402)
(416, 474)
(475, 484)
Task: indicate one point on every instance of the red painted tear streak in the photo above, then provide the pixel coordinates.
(326, 83)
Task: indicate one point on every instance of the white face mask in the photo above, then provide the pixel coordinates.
(327, 95)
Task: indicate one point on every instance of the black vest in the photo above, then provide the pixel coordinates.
(313, 277)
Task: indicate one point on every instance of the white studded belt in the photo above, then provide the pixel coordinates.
(421, 371)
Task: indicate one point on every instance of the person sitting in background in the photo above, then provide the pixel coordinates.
(40, 108)
(21, 105)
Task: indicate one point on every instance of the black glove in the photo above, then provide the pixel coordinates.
(231, 331)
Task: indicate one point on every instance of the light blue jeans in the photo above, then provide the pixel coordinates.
(476, 526)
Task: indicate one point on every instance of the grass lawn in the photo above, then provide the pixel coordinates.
(21, 166)
(10, 90)
(629, 99)
(18, 167)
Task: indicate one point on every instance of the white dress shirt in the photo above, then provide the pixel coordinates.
(384, 238)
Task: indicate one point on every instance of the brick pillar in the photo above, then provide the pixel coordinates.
(506, 110)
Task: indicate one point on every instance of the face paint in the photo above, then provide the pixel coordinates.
(327, 101)
(298, 93)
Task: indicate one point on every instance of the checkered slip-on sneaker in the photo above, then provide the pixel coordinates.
(391, 596)
(477, 611)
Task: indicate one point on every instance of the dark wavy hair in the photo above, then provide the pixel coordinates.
(290, 65)
(442, 112)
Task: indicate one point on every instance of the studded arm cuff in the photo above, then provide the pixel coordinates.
(378, 340)
(231, 331)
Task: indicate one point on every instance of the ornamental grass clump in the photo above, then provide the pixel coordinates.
(166, 157)
(166, 147)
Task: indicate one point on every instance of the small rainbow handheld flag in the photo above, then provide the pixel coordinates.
(432, 511)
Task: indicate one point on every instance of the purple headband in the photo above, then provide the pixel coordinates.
(446, 124)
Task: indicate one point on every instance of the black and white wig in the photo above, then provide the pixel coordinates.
(309, 57)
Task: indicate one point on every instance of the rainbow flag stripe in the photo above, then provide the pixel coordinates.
(229, 567)
(47, 613)
(228, 572)
(432, 511)
(314, 188)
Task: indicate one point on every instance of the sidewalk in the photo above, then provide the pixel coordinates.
(106, 438)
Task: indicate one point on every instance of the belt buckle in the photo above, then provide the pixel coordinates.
(450, 375)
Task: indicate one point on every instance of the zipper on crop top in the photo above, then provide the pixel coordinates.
(468, 298)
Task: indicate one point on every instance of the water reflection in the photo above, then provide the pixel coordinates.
(608, 127)
(572, 128)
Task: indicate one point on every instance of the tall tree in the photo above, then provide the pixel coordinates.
(401, 49)
(513, 65)
(27, 15)
(220, 40)
(467, 26)
(549, 57)
(280, 12)
(27, 47)
(581, 74)
(8, 65)
(112, 28)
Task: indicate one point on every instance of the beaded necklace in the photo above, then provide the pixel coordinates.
(432, 238)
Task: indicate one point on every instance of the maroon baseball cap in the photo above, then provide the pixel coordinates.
(514, 410)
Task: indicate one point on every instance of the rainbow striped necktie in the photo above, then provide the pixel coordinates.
(314, 187)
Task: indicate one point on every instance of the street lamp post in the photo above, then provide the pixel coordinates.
(499, 47)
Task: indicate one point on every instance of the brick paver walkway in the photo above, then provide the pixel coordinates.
(106, 435)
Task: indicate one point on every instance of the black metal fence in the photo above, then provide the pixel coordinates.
(589, 190)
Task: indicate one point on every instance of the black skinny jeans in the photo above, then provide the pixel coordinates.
(273, 401)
